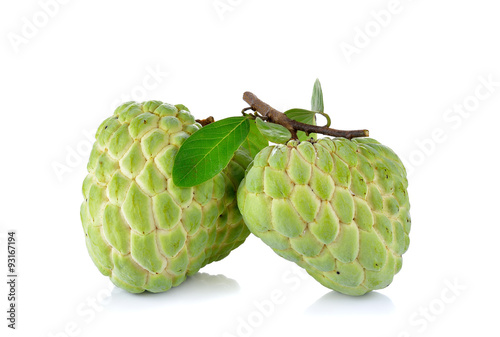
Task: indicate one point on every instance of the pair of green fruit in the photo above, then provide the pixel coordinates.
(336, 207)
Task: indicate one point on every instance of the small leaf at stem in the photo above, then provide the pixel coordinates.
(317, 97)
(255, 141)
(208, 151)
(275, 133)
(303, 116)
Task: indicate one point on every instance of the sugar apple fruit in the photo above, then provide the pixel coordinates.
(141, 230)
(338, 208)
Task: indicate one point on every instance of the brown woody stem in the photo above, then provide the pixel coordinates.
(274, 116)
(206, 121)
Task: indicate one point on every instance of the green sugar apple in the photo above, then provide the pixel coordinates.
(141, 230)
(336, 207)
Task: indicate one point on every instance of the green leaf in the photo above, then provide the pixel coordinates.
(255, 141)
(275, 133)
(317, 97)
(303, 116)
(208, 151)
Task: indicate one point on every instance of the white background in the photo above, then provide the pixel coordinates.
(406, 82)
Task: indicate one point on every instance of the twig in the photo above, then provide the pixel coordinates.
(206, 121)
(278, 117)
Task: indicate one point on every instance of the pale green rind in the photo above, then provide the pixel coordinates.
(141, 230)
(338, 208)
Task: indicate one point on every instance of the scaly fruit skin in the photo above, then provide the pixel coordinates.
(141, 230)
(338, 208)
(231, 230)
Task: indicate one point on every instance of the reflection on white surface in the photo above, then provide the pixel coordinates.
(334, 303)
(197, 288)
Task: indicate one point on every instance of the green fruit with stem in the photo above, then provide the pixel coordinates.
(339, 208)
